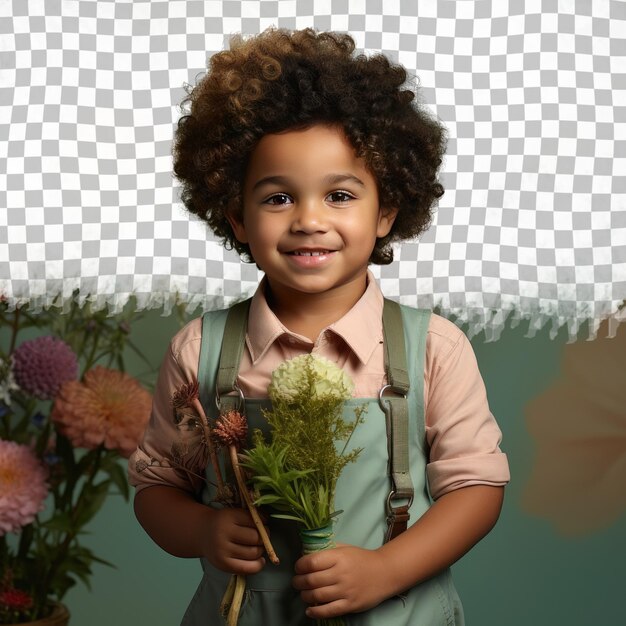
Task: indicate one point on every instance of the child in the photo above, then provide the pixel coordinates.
(310, 161)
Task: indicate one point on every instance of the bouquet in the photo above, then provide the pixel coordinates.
(296, 472)
(66, 417)
(199, 441)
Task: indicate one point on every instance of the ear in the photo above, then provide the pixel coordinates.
(236, 223)
(386, 218)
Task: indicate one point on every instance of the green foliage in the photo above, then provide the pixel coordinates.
(297, 472)
(46, 558)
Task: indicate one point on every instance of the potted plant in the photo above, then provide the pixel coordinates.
(68, 413)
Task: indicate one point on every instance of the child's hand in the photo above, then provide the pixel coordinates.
(233, 543)
(340, 580)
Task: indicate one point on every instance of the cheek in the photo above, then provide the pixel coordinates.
(362, 228)
(262, 236)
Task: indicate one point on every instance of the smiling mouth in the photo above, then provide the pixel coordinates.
(309, 252)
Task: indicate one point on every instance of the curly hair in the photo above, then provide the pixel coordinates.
(284, 80)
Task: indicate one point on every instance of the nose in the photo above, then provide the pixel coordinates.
(309, 216)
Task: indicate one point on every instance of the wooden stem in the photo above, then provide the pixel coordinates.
(227, 599)
(235, 607)
(253, 510)
(212, 453)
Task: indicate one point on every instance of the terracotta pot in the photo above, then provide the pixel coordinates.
(60, 616)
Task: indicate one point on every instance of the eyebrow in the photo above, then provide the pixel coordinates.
(331, 179)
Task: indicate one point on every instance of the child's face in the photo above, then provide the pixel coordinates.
(311, 214)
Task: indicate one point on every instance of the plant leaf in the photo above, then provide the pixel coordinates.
(285, 516)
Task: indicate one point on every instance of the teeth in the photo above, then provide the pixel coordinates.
(311, 253)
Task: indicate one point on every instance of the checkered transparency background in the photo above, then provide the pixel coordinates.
(532, 224)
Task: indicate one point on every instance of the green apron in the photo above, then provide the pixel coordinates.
(362, 492)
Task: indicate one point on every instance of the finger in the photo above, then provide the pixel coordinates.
(320, 595)
(245, 536)
(242, 517)
(247, 522)
(246, 553)
(314, 580)
(315, 562)
(331, 609)
(244, 567)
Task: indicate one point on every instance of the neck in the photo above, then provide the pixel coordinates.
(307, 314)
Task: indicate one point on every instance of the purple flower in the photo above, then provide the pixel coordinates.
(43, 364)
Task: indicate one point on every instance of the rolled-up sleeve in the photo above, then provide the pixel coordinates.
(461, 432)
(152, 463)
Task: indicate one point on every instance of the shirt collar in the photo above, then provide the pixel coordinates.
(360, 327)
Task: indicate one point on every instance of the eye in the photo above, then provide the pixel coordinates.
(277, 199)
(340, 196)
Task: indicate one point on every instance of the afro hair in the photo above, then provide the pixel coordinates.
(283, 80)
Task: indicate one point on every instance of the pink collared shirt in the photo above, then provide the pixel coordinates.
(462, 435)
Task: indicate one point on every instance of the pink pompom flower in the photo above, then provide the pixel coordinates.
(23, 487)
(43, 364)
(108, 407)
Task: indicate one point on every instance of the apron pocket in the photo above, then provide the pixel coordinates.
(273, 608)
(260, 605)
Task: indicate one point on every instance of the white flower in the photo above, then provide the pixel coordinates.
(328, 379)
(7, 382)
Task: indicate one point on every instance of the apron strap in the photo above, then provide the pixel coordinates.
(395, 351)
(396, 411)
(230, 356)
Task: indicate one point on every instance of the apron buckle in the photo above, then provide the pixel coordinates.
(240, 400)
(398, 516)
(389, 503)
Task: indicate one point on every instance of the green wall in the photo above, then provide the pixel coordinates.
(522, 574)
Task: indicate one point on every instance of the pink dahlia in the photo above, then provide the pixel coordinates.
(43, 364)
(23, 487)
(108, 407)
